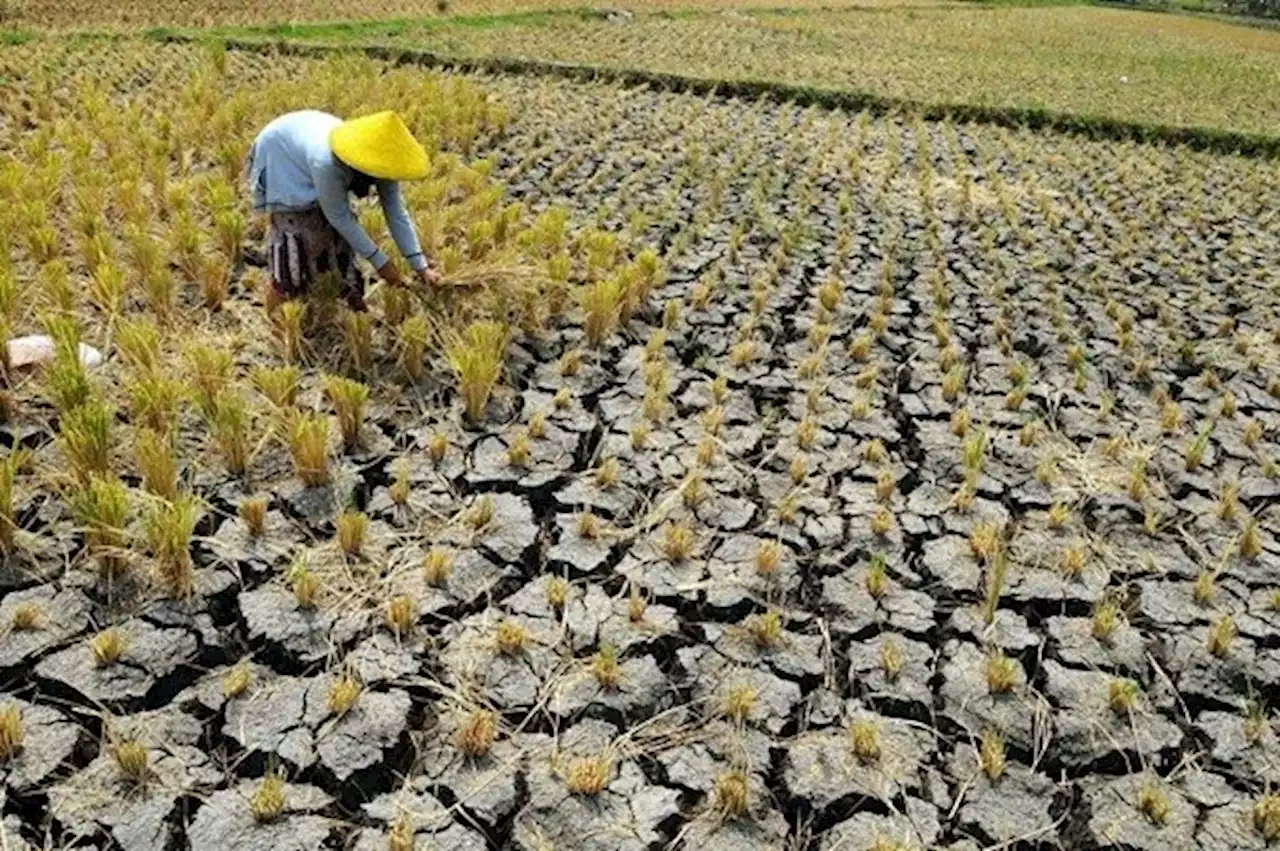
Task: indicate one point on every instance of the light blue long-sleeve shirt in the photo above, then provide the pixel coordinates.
(291, 167)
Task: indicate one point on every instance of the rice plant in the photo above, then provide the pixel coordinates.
(344, 692)
(890, 659)
(236, 681)
(267, 803)
(108, 646)
(156, 401)
(519, 450)
(1222, 633)
(309, 448)
(864, 740)
(1266, 817)
(253, 512)
(28, 617)
(740, 700)
(132, 762)
(588, 776)
(1153, 803)
(732, 794)
(352, 529)
(278, 385)
(414, 336)
(357, 333)
(768, 558)
(214, 274)
(538, 425)
(437, 447)
(306, 584)
(476, 735)
(511, 638)
(153, 454)
(1122, 696)
(138, 342)
(210, 370)
(66, 380)
(437, 565)
(10, 467)
(1106, 619)
(605, 667)
(637, 605)
(1001, 672)
(877, 580)
(764, 630)
(476, 358)
(85, 437)
(601, 303)
(639, 436)
(12, 732)
(169, 528)
(606, 474)
(557, 593)
(991, 754)
(102, 507)
(1204, 589)
(230, 422)
(570, 363)
(480, 515)
(348, 399)
(400, 834)
(289, 328)
(678, 541)
(882, 522)
(400, 488)
(1250, 540)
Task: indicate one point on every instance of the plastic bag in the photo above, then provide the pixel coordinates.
(38, 349)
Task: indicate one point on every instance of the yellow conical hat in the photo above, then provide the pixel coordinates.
(381, 146)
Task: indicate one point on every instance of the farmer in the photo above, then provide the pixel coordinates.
(301, 169)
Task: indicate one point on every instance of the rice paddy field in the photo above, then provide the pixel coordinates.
(81, 15)
(1078, 60)
(764, 475)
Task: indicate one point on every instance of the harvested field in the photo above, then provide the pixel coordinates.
(847, 481)
(64, 15)
(1083, 61)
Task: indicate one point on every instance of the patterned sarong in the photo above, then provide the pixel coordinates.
(304, 250)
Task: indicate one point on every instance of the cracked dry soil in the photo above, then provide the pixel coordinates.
(908, 553)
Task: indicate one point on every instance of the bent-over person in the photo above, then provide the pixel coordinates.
(303, 168)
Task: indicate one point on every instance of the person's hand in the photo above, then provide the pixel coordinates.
(391, 274)
(429, 276)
